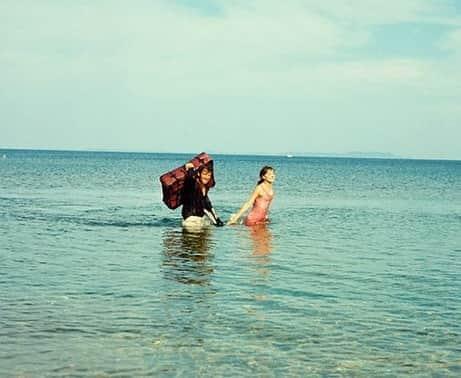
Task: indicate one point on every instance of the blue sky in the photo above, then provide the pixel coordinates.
(232, 76)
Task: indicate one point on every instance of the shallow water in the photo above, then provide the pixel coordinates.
(356, 275)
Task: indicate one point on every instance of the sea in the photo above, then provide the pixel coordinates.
(358, 272)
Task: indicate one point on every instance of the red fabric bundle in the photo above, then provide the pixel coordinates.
(173, 181)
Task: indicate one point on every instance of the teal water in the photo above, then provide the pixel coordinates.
(358, 274)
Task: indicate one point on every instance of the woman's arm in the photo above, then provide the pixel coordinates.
(211, 213)
(235, 217)
(189, 181)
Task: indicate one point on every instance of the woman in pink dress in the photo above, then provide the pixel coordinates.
(260, 199)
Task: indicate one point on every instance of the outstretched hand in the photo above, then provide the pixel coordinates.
(232, 219)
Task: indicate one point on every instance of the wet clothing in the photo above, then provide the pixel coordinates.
(260, 210)
(194, 223)
(194, 202)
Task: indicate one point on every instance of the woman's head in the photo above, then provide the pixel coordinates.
(205, 175)
(266, 174)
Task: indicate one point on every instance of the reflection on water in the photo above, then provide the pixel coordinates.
(261, 248)
(262, 239)
(186, 256)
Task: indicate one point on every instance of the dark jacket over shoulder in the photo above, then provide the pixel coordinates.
(194, 202)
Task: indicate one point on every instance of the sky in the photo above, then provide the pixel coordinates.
(232, 76)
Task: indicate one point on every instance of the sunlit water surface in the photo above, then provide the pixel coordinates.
(358, 274)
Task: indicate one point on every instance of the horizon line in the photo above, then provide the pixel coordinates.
(288, 155)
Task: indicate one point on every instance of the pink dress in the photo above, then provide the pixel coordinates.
(258, 213)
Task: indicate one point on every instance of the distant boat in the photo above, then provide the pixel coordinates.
(289, 156)
(4, 156)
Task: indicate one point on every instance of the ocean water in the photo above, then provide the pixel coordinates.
(358, 273)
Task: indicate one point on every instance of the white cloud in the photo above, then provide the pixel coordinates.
(108, 62)
(155, 37)
(172, 32)
(452, 41)
(255, 45)
(376, 12)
